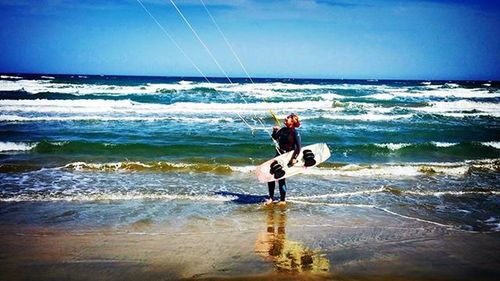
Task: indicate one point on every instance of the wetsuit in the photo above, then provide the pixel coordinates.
(288, 140)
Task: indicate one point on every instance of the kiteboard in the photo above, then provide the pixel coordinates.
(277, 168)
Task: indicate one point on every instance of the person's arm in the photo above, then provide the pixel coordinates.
(275, 134)
(296, 151)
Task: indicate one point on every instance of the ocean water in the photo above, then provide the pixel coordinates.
(155, 147)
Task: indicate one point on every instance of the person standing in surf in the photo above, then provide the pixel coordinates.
(288, 139)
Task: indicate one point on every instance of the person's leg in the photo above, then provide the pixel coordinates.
(271, 185)
(282, 186)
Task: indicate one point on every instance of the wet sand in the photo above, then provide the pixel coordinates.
(253, 243)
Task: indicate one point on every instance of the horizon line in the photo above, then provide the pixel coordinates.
(246, 78)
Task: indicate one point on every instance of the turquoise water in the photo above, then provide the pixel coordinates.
(428, 150)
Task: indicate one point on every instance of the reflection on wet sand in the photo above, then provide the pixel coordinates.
(287, 255)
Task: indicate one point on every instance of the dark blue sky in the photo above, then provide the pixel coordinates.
(413, 39)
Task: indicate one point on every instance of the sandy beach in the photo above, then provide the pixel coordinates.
(252, 243)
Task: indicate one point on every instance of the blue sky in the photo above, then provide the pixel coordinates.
(413, 39)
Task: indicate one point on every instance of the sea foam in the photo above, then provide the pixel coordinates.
(13, 146)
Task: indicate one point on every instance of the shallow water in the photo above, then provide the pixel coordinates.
(111, 151)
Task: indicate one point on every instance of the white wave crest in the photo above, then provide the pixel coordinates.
(443, 144)
(433, 91)
(260, 90)
(401, 170)
(17, 118)
(263, 90)
(393, 146)
(394, 170)
(131, 107)
(10, 77)
(461, 108)
(351, 170)
(367, 117)
(382, 96)
(449, 193)
(494, 144)
(383, 189)
(15, 146)
(46, 86)
(118, 197)
(128, 110)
